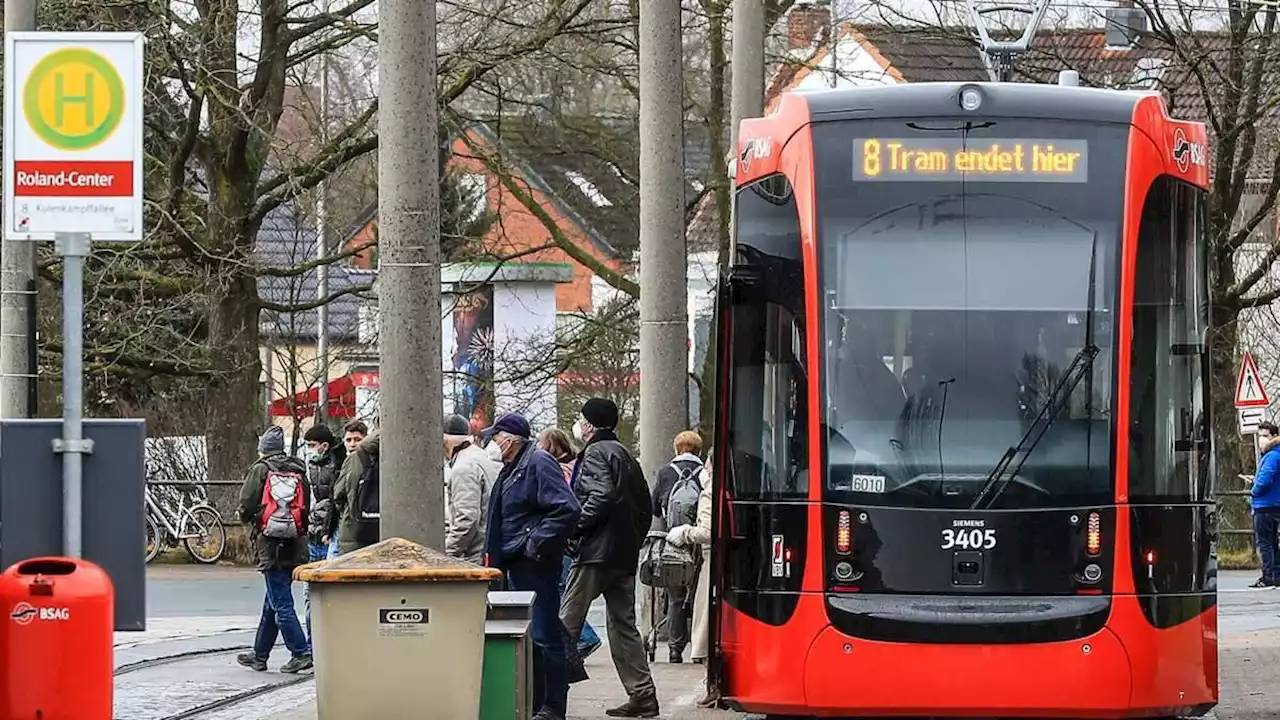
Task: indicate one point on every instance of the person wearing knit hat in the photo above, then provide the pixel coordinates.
(617, 511)
(469, 476)
(278, 554)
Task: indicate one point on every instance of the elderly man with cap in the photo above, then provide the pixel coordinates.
(532, 513)
(469, 476)
(616, 513)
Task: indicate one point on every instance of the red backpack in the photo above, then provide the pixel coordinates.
(283, 502)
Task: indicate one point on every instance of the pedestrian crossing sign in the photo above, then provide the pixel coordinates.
(1249, 389)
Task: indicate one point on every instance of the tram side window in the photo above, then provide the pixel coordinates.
(769, 400)
(1168, 424)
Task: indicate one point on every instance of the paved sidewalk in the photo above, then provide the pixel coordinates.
(679, 688)
(1248, 665)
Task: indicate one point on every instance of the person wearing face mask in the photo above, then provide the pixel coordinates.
(324, 455)
(617, 510)
(1264, 502)
(532, 514)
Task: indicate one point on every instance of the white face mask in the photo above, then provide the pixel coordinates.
(315, 455)
(581, 430)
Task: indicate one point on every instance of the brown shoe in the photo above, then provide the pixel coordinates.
(645, 706)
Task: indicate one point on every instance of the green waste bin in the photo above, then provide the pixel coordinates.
(506, 686)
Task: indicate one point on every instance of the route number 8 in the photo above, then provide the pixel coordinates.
(968, 539)
(871, 158)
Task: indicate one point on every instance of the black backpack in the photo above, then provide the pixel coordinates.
(367, 505)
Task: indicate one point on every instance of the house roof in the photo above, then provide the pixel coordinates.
(287, 240)
(589, 168)
(592, 166)
(951, 54)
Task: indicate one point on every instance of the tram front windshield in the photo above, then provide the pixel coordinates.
(969, 279)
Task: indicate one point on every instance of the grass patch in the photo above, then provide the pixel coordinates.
(1237, 559)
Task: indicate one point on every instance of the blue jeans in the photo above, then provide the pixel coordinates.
(588, 636)
(333, 547)
(279, 618)
(551, 679)
(316, 551)
(1266, 531)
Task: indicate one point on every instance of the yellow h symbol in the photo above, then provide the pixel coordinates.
(61, 99)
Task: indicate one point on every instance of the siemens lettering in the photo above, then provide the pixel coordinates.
(952, 159)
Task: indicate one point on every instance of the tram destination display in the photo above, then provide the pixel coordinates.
(955, 159)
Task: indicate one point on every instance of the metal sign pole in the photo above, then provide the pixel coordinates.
(74, 248)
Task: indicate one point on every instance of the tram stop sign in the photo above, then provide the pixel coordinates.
(1251, 397)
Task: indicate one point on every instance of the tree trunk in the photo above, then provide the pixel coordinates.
(232, 401)
(1233, 456)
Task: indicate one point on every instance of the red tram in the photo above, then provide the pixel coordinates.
(963, 452)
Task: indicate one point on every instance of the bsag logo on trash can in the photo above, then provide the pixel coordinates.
(24, 613)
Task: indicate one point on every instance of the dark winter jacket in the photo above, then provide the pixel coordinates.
(532, 512)
(322, 477)
(350, 529)
(667, 477)
(272, 553)
(617, 508)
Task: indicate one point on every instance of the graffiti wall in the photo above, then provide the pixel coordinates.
(471, 382)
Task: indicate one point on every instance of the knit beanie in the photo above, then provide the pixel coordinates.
(272, 441)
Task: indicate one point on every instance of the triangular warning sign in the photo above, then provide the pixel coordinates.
(1249, 390)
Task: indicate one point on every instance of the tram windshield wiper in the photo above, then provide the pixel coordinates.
(1014, 458)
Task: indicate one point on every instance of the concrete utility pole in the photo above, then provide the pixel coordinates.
(412, 456)
(664, 380)
(17, 282)
(747, 94)
(322, 252)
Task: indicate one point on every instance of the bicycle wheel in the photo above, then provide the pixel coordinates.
(210, 539)
(153, 539)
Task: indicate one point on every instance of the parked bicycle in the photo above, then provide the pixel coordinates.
(198, 527)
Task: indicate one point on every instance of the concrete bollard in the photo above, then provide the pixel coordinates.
(399, 633)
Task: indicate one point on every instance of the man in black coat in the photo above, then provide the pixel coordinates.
(616, 512)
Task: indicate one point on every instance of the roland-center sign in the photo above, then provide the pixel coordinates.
(73, 135)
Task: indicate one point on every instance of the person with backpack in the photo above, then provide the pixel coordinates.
(675, 502)
(616, 514)
(356, 497)
(274, 504)
(699, 534)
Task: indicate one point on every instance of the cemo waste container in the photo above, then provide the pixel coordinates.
(56, 640)
(398, 633)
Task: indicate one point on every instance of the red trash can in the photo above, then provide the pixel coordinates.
(56, 641)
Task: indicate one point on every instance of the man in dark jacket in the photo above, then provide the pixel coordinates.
(616, 514)
(324, 456)
(532, 514)
(353, 532)
(277, 557)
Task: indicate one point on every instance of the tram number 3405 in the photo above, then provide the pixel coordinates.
(974, 539)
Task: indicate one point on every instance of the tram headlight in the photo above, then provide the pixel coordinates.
(970, 99)
(844, 535)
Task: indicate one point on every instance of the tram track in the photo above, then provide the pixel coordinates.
(197, 681)
(244, 696)
(177, 658)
